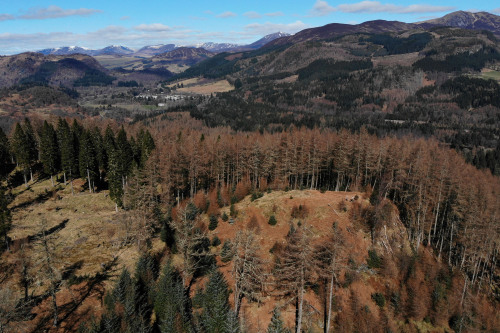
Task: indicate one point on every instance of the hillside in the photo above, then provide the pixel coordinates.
(54, 70)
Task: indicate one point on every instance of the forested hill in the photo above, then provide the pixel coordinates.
(411, 207)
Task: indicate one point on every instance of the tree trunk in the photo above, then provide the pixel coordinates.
(88, 177)
(65, 178)
(54, 307)
(330, 303)
(300, 297)
(52, 180)
(31, 175)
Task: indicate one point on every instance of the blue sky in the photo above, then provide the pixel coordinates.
(36, 24)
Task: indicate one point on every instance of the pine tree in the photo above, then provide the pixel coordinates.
(171, 302)
(68, 150)
(31, 145)
(5, 217)
(124, 156)
(100, 149)
(4, 154)
(88, 160)
(21, 151)
(276, 325)
(215, 303)
(115, 179)
(49, 151)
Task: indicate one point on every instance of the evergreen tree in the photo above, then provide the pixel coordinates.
(49, 151)
(5, 217)
(124, 155)
(276, 325)
(115, 179)
(4, 154)
(68, 150)
(21, 150)
(88, 160)
(147, 145)
(215, 303)
(100, 149)
(31, 145)
(171, 306)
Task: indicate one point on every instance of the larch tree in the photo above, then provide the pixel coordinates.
(329, 262)
(295, 269)
(248, 269)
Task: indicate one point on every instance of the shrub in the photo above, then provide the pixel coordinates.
(215, 241)
(213, 222)
(299, 212)
(272, 220)
(379, 299)
(232, 211)
(226, 253)
(373, 261)
(225, 217)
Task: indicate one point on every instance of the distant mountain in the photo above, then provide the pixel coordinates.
(152, 50)
(267, 39)
(468, 20)
(31, 67)
(185, 53)
(218, 47)
(66, 50)
(114, 50)
(338, 29)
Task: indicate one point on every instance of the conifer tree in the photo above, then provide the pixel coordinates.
(215, 303)
(4, 154)
(5, 217)
(87, 159)
(171, 302)
(124, 155)
(115, 179)
(101, 154)
(21, 151)
(68, 151)
(31, 145)
(49, 151)
(276, 325)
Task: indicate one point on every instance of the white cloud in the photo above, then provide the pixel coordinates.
(252, 15)
(152, 27)
(378, 7)
(322, 8)
(496, 10)
(227, 14)
(40, 13)
(6, 17)
(275, 14)
(262, 29)
(125, 18)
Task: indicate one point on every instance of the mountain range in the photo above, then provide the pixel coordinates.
(152, 50)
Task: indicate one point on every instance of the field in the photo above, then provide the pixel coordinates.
(490, 74)
(203, 86)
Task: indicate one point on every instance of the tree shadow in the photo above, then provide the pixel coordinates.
(68, 318)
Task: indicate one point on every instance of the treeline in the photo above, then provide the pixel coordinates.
(105, 160)
(394, 45)
(326, 69)
(458, 62)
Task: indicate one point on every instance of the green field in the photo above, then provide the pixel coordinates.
(495, 75)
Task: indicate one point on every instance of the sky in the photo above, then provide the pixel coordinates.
(30, 25)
